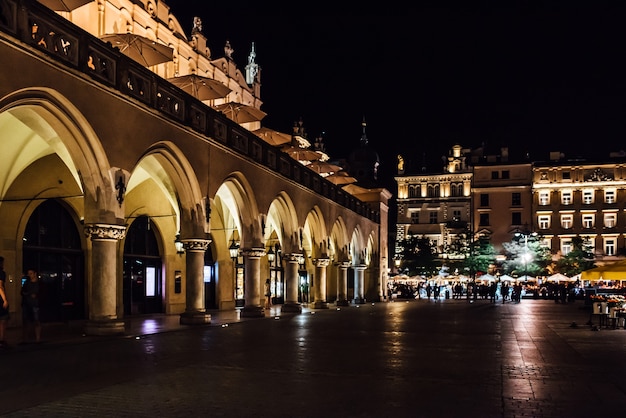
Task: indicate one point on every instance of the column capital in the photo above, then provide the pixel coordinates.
(360, 267)
(253, 252)
(321, 262)
(104, 232)
(293, 257)
(196, 244)
(343, 264)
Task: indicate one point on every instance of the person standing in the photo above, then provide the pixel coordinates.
(4, 304)
(30, 307)
(268, 294)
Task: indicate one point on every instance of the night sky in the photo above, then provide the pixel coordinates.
(534, 79)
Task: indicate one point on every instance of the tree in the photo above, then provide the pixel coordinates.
(481, 256)
(525, 256)
(577, 260)
(418, 256)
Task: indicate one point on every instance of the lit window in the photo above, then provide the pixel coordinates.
(544, 197)
(609, 247)
(566, 247)
(544, 221)
(610, 220)
(609, 196)
(588, 220)
(566, 221)
(566, 197)
(587, 197)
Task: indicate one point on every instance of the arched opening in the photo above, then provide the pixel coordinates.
(143, 292)
(210, 279)
(52, 246)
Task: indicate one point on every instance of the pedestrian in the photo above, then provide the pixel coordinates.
(4, 304)
(268, 294)
(436, 291)
(493, 288)
(30, 307)
(428, 290)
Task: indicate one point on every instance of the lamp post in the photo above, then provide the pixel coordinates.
(233, 249)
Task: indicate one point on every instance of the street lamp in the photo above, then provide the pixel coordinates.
(233, 249)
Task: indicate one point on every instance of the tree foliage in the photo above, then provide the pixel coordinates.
(481, 256)
(577, 260)
(418, 256)
(525, 256)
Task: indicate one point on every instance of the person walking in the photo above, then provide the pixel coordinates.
(30, 307)
(4, 305)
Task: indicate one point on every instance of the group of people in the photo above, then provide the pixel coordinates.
(31, 325)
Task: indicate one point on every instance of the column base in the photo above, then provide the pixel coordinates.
(105, 327)
(343, 302)
(291, 307)
(252, 312)
(320, 305)
(358, 300)
(195, 318)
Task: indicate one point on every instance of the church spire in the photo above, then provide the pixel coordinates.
(364, 136)
(252, 69)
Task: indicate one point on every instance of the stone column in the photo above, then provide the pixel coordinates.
(292, 261)
(195, 311)
(342, 283)
(102, 295)
(359, 273)
(320, 283)
(252, 282)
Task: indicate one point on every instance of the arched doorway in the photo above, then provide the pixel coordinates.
(143, 290)
(210, 277)
(52, 246)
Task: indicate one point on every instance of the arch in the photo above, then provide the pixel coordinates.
(235, 199)
(315, 236)
(167, 165)
(47, 123)
(340, 240)
(281, 217)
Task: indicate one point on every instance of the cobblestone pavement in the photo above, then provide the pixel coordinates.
(397, 359)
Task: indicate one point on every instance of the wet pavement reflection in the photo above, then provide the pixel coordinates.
(412, 358)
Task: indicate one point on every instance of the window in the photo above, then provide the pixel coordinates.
(484, 199)
(610, 220)
(566, 221)
(516, 199)
(609, 246)
(588, 220)
(433, 190)
(456, 215)
(433, 217)
(587, 197)
(544, 221)
(516, 218)
(415, 217)
(566, 247)
(495, 175)
(456, 189)
(414, 191)
(544, 197)
(566, 175)
(484, 219)
(609, 196)
(566, 197)
(505, 174)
